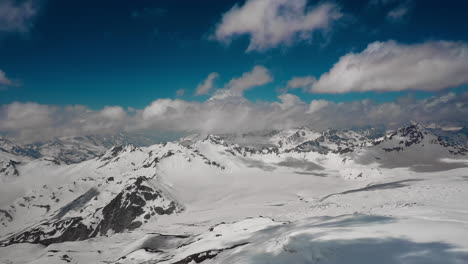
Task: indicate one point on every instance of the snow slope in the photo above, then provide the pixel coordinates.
(305, 197)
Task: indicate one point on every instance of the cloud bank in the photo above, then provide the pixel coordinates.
(31, 121)
(270, 23)
(391, 66)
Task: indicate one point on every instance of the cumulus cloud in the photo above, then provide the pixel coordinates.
(289, 101)
(207, 85)
(5, 81)
(17, 16)
(226, 116)
(316, 105)
(31, 121)
(113, 113)
(391, 66)
(258, 76)
(162, 107)
(270, 23)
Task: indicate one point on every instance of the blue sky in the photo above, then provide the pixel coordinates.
(116, 65)
(130, 53)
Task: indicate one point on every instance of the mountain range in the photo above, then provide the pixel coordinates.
(216, 197)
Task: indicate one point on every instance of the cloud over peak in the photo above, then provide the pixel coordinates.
(391, 66)
(31, 121)
(270, 23)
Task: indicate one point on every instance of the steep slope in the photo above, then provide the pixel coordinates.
(100, 196)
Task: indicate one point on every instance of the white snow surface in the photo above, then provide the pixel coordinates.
(265, 204)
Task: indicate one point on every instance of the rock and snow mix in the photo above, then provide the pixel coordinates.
(296, 196)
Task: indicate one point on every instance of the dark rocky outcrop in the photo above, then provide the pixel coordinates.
(119, 214)
(205, 255)
(46, 233)
(9, 168)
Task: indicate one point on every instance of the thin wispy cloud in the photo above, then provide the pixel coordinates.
(397, 10)
(17, 16)
(398, 13)
(305, 83)
(180, 92)
(258, 76)
(5, 81)
(207, 85)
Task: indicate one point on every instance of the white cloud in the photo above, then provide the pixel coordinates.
(316, 105)
(270, 23)
(113, 113)
(5, 81)
(305, 83)
(25, 116)
(17, 16)
(289, 101)
(32, 121)
(236, 87)
(162, 107)
(207, 85)
(391, 66)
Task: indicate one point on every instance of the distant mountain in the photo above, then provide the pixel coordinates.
(77, 149)
(453, 136)
(73, 149)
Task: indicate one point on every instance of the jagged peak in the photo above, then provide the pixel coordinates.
(116, 150)
(215, 139)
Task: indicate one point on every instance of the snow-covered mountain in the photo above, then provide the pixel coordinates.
(295, 196)
(67, 150)
(73, 149)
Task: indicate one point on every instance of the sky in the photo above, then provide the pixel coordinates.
(70, 68)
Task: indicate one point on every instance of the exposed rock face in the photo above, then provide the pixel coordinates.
(46, 233)
(9, 168)
(312, 146)
(409, 136)
(135, 200)
(206, 255)
(136, 203)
